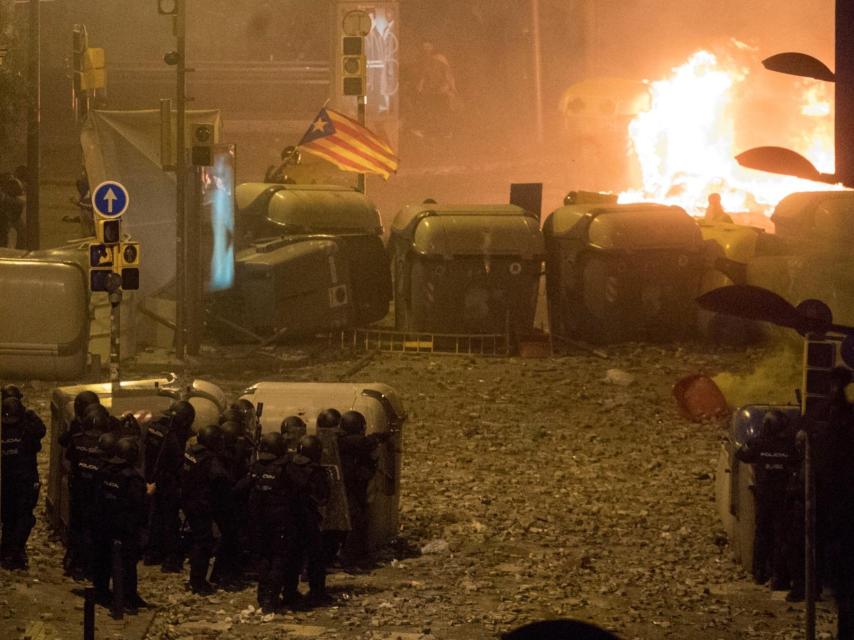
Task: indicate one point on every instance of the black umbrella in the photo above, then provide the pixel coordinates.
(756, 303)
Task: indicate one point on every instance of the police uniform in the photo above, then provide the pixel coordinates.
(774, 460)
(310, 495)
(21, 442)
(271, 502)
(204, 487)
(359, 465)
(120, 498)
(163, 447)
(86, 462)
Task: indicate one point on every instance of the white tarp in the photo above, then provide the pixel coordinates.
(125, 146)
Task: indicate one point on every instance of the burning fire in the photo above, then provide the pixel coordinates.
(686, 143)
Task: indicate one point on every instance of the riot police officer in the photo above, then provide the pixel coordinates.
(120, 499)
(358, 465)
(271, 512)
(335, 526)
(204, 491)
(22, 432)
(292, 428)
(163, 446)
(234, 457)
(835, 486)
(11, 391)
(73, 563)
(86, 460)
(310, 495)
(774, 460)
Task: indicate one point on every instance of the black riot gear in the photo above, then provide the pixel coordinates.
(13, 410)
(245, 408)
(183, 414)
(311, 447)
(211, 437)
(120, 505)
(205, 489)
(273, 445)
(353, 422)
(107, 444)
(311, 492)
(83, 400)
(775, 461)
(293, 428)
(163, 450)
(22, 434)
(12, 391)
(328, 419)
(127, 451)
(272, 516)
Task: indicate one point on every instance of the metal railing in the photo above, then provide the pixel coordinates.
(392, 341)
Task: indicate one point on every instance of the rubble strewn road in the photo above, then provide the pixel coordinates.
(531, 489)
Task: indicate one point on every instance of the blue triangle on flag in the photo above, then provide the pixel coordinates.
(320, 128)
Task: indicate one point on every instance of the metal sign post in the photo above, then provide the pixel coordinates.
(113, 264)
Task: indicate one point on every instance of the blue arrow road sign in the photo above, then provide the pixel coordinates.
(110, 199)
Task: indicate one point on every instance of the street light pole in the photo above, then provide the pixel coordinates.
(33, 124)
(538, 74)
(181, 183)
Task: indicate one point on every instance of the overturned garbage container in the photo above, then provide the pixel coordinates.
(384, 413)
(625, 271)
(140, 397)
(465, 268)
(270, 211)
(300, 284)
(44, 319)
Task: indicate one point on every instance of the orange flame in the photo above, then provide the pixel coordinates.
(686, 143)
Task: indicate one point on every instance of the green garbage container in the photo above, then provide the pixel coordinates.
(622, 271)
(269, 211)
(470, 269)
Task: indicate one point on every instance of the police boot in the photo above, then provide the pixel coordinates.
(202, 587)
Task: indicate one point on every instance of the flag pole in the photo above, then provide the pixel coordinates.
(362, 102)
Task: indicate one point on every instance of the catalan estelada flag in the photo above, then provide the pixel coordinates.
(348, 145)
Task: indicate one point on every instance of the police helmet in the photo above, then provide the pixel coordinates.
(126, 450)
(231, 415)
(107, 444)
(230, 431)
(328, 419)
(245, 408)
(211, 437)
(292, 424)
(272, 446)
(311, 447)
(12, 391)
(130, 424)
(353, 422)
(13, 410)
(182, 413)
(84, 400)
(774, 422)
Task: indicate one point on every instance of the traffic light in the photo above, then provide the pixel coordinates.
(128, 258)
(203, 139)
(108, 231)
(353, 65)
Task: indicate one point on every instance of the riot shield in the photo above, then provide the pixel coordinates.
(336, 514)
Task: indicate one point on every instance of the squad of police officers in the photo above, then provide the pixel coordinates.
(776, 453)
(285, 507)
